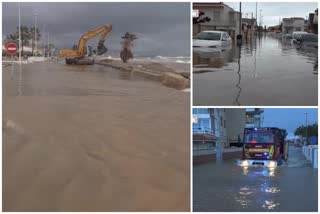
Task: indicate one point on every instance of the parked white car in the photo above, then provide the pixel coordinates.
(211, 39)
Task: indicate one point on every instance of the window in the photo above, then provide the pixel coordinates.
(208, 36)
(200, 111)
(205, 123)
(203, 126)
(259, 137)
(203, 111)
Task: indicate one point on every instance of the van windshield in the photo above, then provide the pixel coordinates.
(208, 36)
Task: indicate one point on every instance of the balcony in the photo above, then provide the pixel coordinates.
(202, 131)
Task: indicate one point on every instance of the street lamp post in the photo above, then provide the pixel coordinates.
(20, 48)
(35, 35)
(260, 22)
(306, 127)
(48, 46)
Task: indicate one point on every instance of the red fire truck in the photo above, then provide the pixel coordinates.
(264, 146)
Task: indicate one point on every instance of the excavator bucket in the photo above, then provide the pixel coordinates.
(101, 49)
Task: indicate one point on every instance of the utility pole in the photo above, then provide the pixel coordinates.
(240, 21)
(20, 48)
(43, 42)
(48, 44)
(256, 15)
(260, 23)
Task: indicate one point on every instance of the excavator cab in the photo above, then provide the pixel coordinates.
(101, 49)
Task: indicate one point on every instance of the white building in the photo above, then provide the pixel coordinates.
(223, 18)
(293, 24)
(235, 124)
(254, 117)
(209, 121)
(208, 126)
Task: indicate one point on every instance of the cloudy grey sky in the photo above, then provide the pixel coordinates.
(272, 11)
(289, 118)
(162, 28)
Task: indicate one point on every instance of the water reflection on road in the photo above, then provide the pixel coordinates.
(262, 71)
(226, 187)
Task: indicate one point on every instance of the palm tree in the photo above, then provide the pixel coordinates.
(25, 36)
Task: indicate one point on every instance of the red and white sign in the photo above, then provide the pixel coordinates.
(12, 48)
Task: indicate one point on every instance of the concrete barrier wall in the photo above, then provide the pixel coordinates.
(211, 158)
(315, 158)
(204, 152)
(311, 153)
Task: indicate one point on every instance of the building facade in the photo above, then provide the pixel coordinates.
(208, 126)
(290, 25)
(254, 117)
(313, 22)
(248, 27)
(222, 18)
(235, 124)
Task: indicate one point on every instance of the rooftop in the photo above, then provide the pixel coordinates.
(292, 18)
(211, 4)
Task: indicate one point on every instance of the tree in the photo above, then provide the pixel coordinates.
(11, 38)
(32, 34)
(201, 18)
(302, 130)
(25, 36)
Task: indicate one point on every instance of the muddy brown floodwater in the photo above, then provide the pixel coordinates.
(91, 138)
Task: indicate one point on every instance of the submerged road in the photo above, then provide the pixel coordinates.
(263, 71)
(90, 138)
(226, 187)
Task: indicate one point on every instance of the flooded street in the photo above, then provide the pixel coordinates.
(264, 71)
(226, 187)
(91, 138)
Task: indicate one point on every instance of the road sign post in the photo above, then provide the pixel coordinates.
(12, 50)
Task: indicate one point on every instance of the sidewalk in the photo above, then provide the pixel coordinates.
(228, 154)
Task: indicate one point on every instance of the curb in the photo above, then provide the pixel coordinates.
(169, 79)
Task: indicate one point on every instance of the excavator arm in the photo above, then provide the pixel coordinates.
(84, 39)
(74, 55)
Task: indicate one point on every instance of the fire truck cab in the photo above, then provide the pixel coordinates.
(264, 146)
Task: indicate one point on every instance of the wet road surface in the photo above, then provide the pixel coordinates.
(225, 187)
(91, 138)
(264, 71)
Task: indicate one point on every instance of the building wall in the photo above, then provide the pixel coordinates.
(235, 124)
(218, 122)
(254, 117)
(291, 25)
(226, 125)
(203, 124)
(222, 18)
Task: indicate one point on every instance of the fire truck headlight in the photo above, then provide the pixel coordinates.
(245, 163)
(272, 164)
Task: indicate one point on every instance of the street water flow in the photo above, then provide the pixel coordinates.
(226, 187)
(266, 65)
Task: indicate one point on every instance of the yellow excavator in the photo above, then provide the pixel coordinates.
(79, 56)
